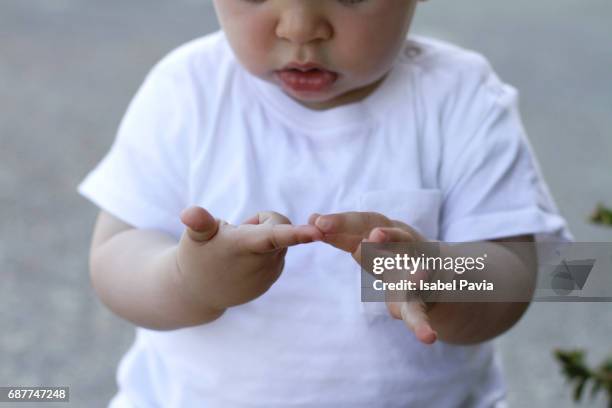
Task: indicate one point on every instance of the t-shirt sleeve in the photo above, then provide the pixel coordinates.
(142, 179)
(490, 178)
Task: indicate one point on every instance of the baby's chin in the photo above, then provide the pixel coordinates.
(338, 95)
(315, 101)
(330, 99)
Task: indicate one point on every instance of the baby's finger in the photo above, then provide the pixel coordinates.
(413, 314)
(313, 218)
(201, 225)
(262, 239)
(352, 223)
(344, 242)
(376, 237)
(254, 220)
(391, 235)
(272, 218)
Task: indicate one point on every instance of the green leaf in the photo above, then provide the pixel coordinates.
(572, 362)
(579, 389)
(602, 215)
(606, 366)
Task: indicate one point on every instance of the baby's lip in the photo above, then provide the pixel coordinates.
(304, 66)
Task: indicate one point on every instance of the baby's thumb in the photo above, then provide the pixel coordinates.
(201, 226)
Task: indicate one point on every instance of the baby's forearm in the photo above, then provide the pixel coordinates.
(512, 275)
(135, 275)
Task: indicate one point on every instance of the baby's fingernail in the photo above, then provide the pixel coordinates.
(382, 236)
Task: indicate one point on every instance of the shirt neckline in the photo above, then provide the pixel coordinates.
(354, 114)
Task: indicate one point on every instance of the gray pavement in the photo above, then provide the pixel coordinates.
(67, 71)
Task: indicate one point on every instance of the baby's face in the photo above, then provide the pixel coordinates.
(323, 53)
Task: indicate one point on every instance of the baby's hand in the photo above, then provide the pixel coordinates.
(222, 265)
(348, 230)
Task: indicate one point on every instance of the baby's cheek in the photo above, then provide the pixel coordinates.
(254, 44)
(375, 38)
(367, 54)
(367, 66)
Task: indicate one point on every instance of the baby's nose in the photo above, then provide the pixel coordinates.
(303, 23)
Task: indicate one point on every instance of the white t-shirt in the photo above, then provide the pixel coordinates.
(439, 145)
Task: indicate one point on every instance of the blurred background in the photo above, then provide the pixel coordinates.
(68, 69)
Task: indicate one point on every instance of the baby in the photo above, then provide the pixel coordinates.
(248, 171)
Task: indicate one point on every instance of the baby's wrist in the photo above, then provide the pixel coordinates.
(194, 302)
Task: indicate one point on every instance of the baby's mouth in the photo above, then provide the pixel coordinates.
(306, 78)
